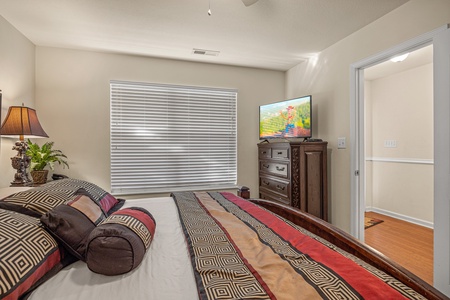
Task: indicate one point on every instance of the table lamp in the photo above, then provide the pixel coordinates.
(21, 121)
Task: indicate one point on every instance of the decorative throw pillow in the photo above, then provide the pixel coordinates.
(107, 201)
(72, 223)
(28, 254)
(120, 242)
(35, 201)
(19, 208)
(99, 195)
(39, 200)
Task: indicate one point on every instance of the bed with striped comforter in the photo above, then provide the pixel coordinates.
(242, 251)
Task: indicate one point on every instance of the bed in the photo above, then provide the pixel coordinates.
(205, 245)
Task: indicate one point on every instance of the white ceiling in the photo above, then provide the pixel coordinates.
(271, 34)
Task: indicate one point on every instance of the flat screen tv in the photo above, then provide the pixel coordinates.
(286, 119)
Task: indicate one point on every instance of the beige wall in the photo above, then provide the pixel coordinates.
(327, 78)
(17, 84)
(72, 96)
(400, 107)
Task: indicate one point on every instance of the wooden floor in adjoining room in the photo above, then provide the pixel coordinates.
(408, 244)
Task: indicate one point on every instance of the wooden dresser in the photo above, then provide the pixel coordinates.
(295, 173)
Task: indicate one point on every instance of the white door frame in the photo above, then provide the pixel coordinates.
(441, 89)
(357, 167)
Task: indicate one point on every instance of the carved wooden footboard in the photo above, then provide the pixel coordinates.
(348, 243)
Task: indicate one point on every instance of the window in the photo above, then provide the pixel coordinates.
(168, 138)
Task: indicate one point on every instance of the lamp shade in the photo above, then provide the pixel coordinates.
(21, 121)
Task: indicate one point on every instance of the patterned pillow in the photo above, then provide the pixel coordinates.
(28, 254)
(120, 242)
(39, 200)
(35, 201)
(107, 201)
(72, 223)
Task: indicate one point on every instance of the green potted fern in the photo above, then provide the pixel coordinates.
(41, 157)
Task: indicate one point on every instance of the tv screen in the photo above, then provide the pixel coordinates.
(286, 119)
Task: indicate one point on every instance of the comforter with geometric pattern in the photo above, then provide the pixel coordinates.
(242, 251)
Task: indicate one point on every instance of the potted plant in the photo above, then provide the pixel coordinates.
(41, 157)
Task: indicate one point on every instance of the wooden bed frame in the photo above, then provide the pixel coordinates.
(350, 244)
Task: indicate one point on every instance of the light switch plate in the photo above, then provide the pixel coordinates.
(341, 143)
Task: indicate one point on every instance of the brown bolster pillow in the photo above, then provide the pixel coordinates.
(119, 243)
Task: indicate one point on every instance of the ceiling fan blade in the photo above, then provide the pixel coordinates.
(249, 2)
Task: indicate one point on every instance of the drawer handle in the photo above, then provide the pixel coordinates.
(280, 187)
(266, 182)
(279, 153)
(266, 166)
(264, 152)
(280, 168)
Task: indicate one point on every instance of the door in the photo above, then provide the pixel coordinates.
(441, 73)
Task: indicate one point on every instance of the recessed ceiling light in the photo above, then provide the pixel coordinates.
(400, 58)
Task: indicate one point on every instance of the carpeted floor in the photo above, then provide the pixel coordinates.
(369, 222)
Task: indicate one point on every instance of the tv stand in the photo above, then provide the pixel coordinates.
(295, 173)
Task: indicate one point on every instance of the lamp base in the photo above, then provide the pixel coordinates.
(20, 162)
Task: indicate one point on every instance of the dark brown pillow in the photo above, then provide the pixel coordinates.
(120, 242)
(72, 223)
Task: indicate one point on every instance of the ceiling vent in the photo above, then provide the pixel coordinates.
(205, 52)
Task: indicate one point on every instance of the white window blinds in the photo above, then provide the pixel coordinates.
(168, 138)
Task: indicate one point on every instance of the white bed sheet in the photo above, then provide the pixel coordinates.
(164, 274)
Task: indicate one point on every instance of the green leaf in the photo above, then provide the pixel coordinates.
(44, 156)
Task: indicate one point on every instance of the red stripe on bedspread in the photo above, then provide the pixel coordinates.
(369, 288)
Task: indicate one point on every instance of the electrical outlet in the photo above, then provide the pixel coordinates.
(341, 143)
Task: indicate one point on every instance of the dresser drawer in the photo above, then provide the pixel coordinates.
(275, 168)
(279, 187)
(265, 153)
(280, 153)
(268, 196)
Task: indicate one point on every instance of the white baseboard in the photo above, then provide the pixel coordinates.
(401, 217)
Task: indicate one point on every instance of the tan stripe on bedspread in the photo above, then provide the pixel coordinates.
(279, 276)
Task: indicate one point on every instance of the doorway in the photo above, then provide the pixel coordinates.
(440, 39)
(398, 101)
(398, 156)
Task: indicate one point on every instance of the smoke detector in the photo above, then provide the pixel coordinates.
(205, 52)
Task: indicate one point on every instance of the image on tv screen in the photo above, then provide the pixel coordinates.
(286, 119)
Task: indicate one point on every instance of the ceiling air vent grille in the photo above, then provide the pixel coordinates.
(205, 52)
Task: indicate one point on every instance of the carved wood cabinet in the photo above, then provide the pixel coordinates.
(295, 173)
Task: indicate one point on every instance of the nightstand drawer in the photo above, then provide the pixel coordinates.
(279, 169)
(273, 185)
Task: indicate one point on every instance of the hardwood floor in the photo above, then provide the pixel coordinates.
(407, 244)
